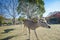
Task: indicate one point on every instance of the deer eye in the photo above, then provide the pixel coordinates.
(42, 22)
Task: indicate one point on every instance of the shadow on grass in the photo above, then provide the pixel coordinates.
(7, 30)
(9, 37)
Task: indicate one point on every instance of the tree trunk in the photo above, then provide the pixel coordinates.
(13, 21)
(0, 23)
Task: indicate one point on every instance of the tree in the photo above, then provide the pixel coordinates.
(31, 8)
(9, 7)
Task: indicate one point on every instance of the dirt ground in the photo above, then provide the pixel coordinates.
(18, 32)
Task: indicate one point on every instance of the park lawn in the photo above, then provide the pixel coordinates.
(18, 32)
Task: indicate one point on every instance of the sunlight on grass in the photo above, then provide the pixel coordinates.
(18, 32)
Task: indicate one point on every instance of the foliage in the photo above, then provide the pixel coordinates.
(31, 7)
(34, 20)
(21, 18)
(1, 20)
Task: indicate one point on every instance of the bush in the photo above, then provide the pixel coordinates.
(9, 23)
(1, 20)
(34, 20)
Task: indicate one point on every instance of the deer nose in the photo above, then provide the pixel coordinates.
(49, 26)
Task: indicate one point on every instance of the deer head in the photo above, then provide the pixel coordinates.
(43, 23)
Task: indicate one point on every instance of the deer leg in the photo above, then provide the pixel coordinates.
(25, 30)
(36, 34)
(29, 33)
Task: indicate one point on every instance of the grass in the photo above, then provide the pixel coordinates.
(18, 32)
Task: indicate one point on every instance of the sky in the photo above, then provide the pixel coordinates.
(7, 6)
(51, 6)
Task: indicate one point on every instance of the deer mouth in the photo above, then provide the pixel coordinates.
(49, 27)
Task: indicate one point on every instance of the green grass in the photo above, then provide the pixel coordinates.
(18, 32)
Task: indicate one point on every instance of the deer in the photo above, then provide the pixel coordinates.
(30, 24)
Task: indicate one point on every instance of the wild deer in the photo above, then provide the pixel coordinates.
(33, 25)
